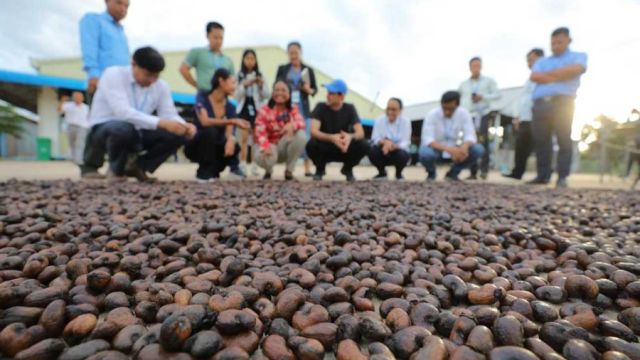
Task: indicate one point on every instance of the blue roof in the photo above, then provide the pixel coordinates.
(69, 83)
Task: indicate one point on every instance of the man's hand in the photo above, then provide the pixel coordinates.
(172, 126)
(288, 130)
(345, 141)
(516, 124)
(476, 98)
(191, 130)
(458, 154)
(93, 85)
(229, 147)
(241, 123)
(306, 88)
(541, 78)
(387, 146)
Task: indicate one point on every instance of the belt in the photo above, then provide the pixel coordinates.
(547, 99)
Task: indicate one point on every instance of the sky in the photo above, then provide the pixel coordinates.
(412, 49)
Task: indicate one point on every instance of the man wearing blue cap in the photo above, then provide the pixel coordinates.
(336, 133)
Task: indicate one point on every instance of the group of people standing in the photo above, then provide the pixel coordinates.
(133, 119)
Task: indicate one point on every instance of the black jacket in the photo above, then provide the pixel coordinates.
(283, 70)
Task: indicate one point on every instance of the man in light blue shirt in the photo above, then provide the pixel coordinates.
(103, 41)
(391, 138)
(522, 122)
(557, 79)
(448, 133)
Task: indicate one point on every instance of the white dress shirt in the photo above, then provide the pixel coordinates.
(450, 131)
(76, 114)
(483, 86)
(399, 132)
(525, 105)
(120, 97)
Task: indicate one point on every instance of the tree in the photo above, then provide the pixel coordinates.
(10, 121)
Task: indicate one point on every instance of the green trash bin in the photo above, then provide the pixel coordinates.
(44, 148)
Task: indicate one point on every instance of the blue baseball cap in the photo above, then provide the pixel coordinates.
(336, 86)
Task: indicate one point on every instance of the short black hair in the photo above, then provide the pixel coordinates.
(474, 59)
(214, 25)
(450, 96)
(397, 100)
(537, 51)
(294, 43)
(560, 31)
(149, 59)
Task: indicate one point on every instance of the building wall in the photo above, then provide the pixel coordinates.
(49, 125)
(269, 58)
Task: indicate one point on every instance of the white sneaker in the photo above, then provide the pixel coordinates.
(254, 170)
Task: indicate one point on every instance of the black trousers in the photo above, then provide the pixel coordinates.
(553, 116)
(321, 153)
(483, 139)
(398, 158)
(524, 148)
(120, 140)
(206, 150)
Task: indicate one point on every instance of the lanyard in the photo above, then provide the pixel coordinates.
(135, 100)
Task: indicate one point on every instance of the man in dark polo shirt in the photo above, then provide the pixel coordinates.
(336, 133)
(557, 79)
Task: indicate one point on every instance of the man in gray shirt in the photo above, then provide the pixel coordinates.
(476, 95)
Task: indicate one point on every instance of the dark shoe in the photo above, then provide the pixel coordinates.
(139, 174)
(288, 176)
(308, 174)
(318, 177)
(267, 176)
(399, 177)
(452, 178)
(380, 177)
(431, 177)
(348, 174)
(472, 177)
(484, 175)
(562, 183)
(511, 176)
(538, 181)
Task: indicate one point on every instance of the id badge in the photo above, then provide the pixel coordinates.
(295, 97)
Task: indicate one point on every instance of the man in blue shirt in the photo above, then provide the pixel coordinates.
(103, 41)
(557, 79)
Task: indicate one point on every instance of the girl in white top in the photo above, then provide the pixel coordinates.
(252, 91)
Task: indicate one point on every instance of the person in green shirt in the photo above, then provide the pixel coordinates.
(206, 60)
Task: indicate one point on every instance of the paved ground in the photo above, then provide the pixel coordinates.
(52, 170)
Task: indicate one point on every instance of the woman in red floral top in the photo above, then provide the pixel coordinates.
(277, 133)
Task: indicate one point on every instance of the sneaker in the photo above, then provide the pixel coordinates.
(562, 183)
(308, 174)
(538, 181)
(318, 176)
(484, 175)
(237, 174)
(288, 176)
(254, 170)
(139, 174)
(472, 177)
(431, 177)
(348, 174)
(399, 177)
(200, 180)
(380, 177)
(112, 177)
(266, 176)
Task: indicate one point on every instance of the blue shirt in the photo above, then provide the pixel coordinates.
(103, 43)
(553, 62)
(525, 105)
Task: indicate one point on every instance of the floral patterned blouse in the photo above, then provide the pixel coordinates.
(270, 121)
